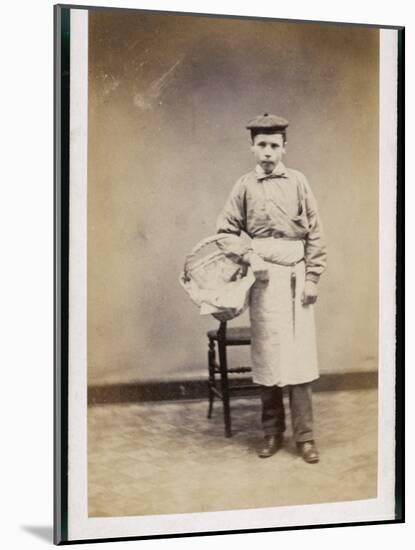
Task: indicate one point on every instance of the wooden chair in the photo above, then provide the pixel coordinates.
(219, 382)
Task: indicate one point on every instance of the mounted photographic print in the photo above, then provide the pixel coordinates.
(229, 300)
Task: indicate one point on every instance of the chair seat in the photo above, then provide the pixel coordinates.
(234, 335)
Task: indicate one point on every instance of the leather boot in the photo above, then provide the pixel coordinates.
(272, 444)
(308, 451)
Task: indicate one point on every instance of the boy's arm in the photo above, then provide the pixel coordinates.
(232, 218)
(232, 221)
(315, 248)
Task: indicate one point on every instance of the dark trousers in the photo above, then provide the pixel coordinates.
(273, 414)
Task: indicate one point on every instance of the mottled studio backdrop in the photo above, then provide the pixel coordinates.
(169, 97)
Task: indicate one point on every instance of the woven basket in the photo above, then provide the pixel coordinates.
(216, 283)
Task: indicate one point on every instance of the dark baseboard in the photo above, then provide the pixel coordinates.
(197, 389)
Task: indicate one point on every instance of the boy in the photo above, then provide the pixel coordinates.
(275, 207)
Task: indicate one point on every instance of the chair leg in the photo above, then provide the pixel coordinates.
(212, 380)
(225, 388)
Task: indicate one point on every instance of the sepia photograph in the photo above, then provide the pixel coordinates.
(231, 244)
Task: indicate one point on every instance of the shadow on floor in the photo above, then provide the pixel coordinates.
(43, 532)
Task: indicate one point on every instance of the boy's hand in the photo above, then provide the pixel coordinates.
(261, 275)
(259, 267)
(309, 294)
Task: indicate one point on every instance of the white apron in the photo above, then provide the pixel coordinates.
(283, 342)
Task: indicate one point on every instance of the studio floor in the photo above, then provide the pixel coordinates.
(167, 457)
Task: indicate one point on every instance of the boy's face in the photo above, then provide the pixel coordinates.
(268, 150)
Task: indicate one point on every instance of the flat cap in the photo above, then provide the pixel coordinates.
(267, 122)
